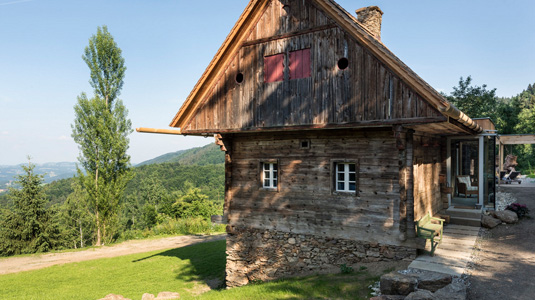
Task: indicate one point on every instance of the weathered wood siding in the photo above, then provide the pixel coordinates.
(365, 92)
(304, 202)
(427, 167)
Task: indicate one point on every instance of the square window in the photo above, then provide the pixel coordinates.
(274, 68)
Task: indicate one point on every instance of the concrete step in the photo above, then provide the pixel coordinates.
(464, 213)
(461, 228)
(447, 261)
(474, 222)
(435, 267)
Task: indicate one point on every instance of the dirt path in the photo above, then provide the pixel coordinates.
(505, 267)
(33, 262)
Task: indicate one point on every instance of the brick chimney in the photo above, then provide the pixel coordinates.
(371, 18)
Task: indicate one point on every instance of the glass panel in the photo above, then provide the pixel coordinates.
(266, 175)
(352, 177)
(274, 167)
(275, 175)
(341, 176)
(265, 166)
(352, 186)
(340, 186)
(341, 167)
(266, 182)
(351, 167)
(274, 182)
(489, 172)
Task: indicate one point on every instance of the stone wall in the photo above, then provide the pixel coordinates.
(255, 254)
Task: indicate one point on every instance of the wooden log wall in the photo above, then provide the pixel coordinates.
(427, 167)
(366, 91)
(304, 202)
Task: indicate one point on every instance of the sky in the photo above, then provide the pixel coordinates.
(168, 44)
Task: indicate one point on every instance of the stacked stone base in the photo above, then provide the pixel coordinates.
(254, 254)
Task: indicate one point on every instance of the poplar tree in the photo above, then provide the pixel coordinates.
(101, 129)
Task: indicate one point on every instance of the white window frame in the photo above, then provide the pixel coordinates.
(346, 176)
(273, 175)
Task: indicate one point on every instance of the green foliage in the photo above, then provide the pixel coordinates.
(475, 101)
(102, 136)
(344, 269)
(104, 59)
(192, 203)
(77, 222)
(58, 191)
(28, 227)
(101, 130)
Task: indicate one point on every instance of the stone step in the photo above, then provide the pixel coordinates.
(474, 222)
(451, 270)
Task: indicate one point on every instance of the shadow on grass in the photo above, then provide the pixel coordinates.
(201, 262)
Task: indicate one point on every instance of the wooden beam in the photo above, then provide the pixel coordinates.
(159, 131)
(289, 35)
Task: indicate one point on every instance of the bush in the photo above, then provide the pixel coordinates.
(344, 269)
(186, 226)
(520, 209)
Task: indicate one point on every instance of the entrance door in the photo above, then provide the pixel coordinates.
(465, 167)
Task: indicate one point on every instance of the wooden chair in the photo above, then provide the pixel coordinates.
(464, 186)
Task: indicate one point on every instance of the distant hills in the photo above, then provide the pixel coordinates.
(52, 171)
(207, 155)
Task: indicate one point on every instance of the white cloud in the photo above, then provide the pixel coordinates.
(14, 2)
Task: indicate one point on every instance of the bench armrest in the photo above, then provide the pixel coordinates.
(438, 219)
(426, 229)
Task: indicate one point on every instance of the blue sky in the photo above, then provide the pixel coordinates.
(168, 44)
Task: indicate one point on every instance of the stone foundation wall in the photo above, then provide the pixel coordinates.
(254, 254)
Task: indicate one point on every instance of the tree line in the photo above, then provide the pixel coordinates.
(514, 115)
(96, 210)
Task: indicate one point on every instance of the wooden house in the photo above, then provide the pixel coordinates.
(334, 147)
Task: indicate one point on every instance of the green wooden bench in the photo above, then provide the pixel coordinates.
(428, 228)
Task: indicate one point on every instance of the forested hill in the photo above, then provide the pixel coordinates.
(207, 155)
(202, 167)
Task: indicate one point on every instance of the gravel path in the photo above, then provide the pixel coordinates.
(33, 262)
(505, 266)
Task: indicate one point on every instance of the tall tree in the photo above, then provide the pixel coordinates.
(27, 228)
(475, 101)
(104, 59)
(101, 129)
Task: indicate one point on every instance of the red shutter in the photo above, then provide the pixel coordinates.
(274, 68)
(300, 64)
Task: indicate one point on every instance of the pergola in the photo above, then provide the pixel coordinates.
(513, 139)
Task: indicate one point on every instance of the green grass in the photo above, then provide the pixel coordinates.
(184, 270)
(131, 275)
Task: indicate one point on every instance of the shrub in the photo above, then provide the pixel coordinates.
(344, 269)
(520, 209)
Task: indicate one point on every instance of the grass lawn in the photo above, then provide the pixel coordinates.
(185, 270)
